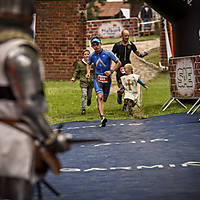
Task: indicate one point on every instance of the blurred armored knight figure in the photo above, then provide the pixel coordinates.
(22, 101)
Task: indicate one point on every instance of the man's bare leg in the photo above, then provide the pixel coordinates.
(100, 105)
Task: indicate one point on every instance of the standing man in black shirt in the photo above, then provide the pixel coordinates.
(146, 15)
(123, 50)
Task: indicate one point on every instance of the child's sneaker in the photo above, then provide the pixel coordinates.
(124, 108)
(103, 122)
(131, 113)
(83, 112)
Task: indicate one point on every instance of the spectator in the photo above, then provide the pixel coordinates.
(146, 16)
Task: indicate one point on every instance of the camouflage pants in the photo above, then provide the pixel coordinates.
(86, 93)
(130, 104)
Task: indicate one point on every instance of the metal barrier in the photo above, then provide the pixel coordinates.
(152, 28)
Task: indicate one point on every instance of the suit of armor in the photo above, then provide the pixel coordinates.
(21, 99)
(22, 102)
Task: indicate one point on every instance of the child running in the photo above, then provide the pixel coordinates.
(86, 84)
(129, 87)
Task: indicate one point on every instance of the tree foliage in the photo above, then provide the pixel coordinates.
(135, 6)
(93, 10)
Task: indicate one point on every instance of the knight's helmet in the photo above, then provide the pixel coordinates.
(17, 11)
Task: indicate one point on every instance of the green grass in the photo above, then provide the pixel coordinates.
(157, 94)
(64, 99)
(153, 56)
(64, 102)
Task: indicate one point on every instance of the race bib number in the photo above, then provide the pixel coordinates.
(122, 70)
(102, 79)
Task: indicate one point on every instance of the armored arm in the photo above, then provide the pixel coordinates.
(23, 69)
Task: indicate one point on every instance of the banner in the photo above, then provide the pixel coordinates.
(111, 30)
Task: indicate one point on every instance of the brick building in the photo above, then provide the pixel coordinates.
(60, 35)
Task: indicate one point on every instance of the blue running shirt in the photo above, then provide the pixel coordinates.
(102, 61)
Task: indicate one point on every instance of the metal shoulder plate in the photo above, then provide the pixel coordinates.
(23, 68)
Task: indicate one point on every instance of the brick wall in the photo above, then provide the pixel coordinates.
(163, 49)
(60, 35)
(112, 28)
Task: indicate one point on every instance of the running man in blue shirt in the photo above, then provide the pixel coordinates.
(102, 59)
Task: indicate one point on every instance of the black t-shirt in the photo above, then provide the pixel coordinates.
(123, 52)
(146, 13)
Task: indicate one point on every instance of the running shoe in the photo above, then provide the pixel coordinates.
(103, 122)
(131, 113)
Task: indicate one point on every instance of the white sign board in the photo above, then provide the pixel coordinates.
(185, 79)
(111, 29)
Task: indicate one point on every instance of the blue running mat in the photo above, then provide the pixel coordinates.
(140, 159)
